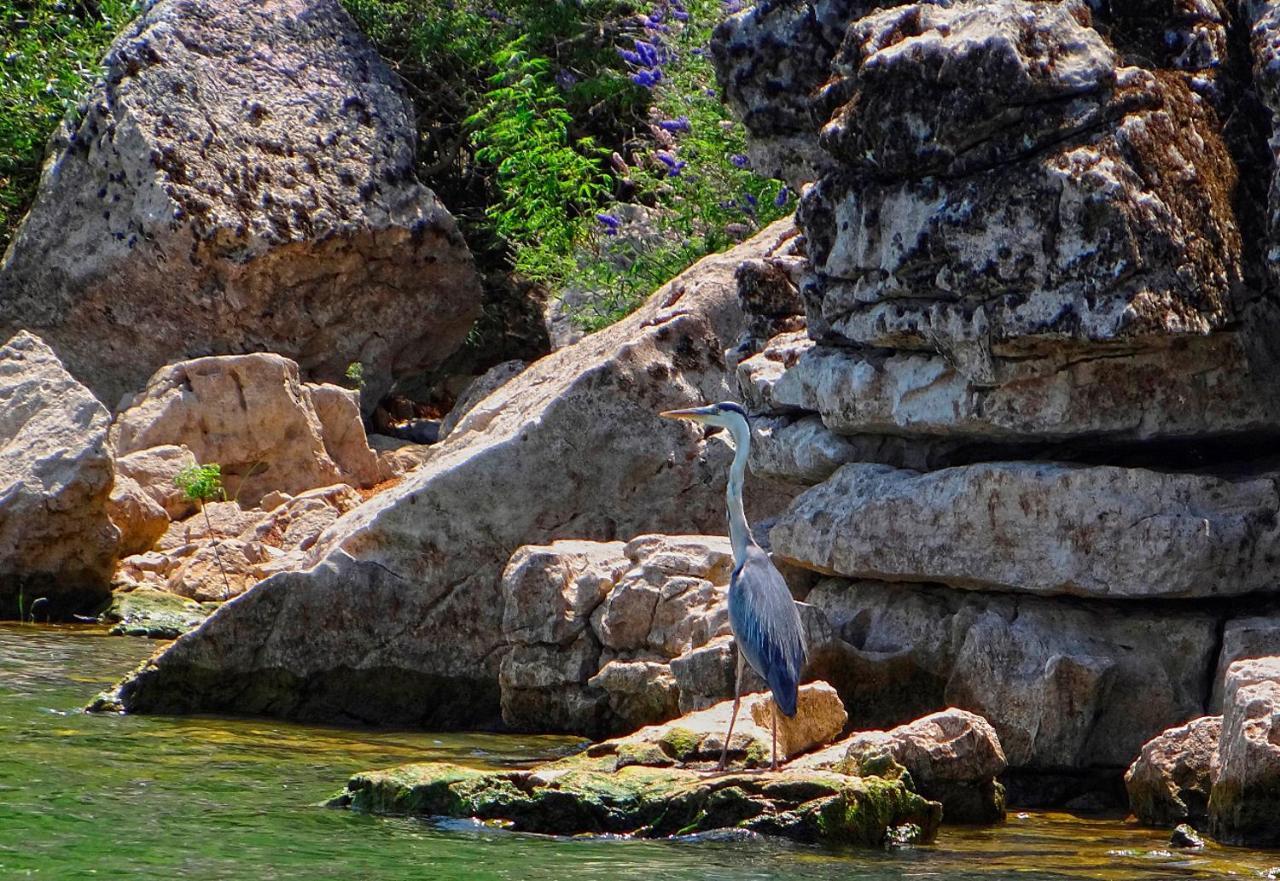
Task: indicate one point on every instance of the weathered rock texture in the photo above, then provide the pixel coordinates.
(1038, 356)
(1055, 679)
(1245, 801)
(1170, 782)
(253, 416)
(597, 629)
(57, 541)
(953, 757)
(1243, 638)
(240, 180)
(401, 618)
(605, 796)
(656, 783)
(1043, 528)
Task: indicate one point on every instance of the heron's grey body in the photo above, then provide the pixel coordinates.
(766, 626)
(763, 616)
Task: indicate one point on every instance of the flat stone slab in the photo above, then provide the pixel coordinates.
(603, 795)
(1040, 528)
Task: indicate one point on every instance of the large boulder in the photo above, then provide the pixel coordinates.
(57, 541)
(1045, 528)
(254, 417)
(1055, 679)
(240, 180)
(400, 618)
(1244, 807)
(1170, 781)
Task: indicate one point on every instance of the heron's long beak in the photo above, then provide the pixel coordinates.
(695, 414)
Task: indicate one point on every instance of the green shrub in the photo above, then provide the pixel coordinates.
(200, 483)
(50, 53)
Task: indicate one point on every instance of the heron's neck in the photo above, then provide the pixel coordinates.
(739, 532)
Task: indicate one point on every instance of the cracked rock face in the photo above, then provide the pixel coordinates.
(1245, 800)
(240, 180)
(401, 619)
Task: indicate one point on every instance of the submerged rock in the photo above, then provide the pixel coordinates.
(399, 617)
(57, 541)
(240, 180)
(595, 796)
(1170, 782)
(1244, 806)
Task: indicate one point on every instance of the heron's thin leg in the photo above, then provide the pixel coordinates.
(773, 716)
(737, 696)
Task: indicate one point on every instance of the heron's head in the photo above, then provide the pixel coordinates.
(723, 414)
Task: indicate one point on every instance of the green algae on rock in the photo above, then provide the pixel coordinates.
(602, 795)
(155, 614)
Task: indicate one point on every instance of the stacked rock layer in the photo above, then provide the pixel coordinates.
(1035, 391)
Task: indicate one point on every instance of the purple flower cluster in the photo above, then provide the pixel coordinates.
(649, 54)
(609, 223)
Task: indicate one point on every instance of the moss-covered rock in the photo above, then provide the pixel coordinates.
(155, 614)
(604, 794)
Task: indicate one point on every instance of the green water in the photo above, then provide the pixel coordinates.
(203, 798)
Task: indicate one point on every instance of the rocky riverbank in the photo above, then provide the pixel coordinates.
(1012, 376)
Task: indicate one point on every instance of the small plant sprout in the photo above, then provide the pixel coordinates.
(355, 374)
(201, 484)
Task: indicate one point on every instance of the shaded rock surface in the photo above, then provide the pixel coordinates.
(57, 541)
(241, 179)
(1055, 679)
(400, 618)
(1170, 781)
(1245, 800)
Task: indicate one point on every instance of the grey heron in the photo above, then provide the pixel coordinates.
(762, 615)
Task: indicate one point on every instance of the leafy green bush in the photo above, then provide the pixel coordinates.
(200, 483)
(520, 108)
(50, 52)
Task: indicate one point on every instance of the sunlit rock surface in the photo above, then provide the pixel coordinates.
(240, 180)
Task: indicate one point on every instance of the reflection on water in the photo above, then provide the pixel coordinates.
(208, 798)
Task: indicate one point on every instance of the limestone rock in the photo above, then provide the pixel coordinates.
(598, 630)
(1055, 679)
(479, 389)
(57, 541)
(699, 736)
(1243, 638)
(1245, 800)
(241, 180)
(397, 457)
(1120, 533)
(342, 430)
(1200, 387)
(155, 614)
(140, 518)
(250, 414)
(154, 469)
(1170, 781)
(573, 447)
(771, 61)
(953, 756)
(578, 796)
